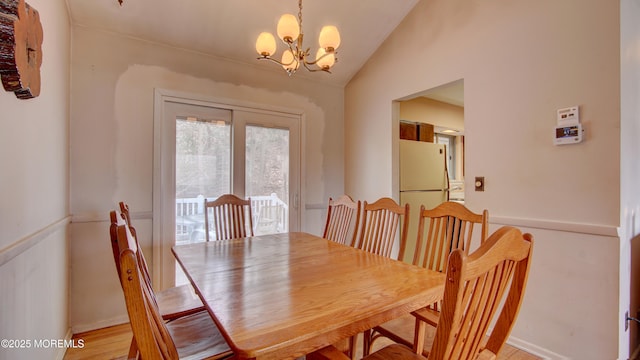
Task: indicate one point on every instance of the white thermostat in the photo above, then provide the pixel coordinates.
(570, 134)
(568, 130)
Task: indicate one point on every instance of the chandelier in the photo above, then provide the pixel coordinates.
(290, 32)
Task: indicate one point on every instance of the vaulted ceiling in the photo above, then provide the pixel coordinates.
(229, 28)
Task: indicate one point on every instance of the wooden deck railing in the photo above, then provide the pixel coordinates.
(270, 215)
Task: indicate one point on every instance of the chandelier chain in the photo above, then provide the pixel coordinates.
(300, 13)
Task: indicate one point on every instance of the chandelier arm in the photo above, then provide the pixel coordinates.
(320, 58)
(317, 68)
(274, 60)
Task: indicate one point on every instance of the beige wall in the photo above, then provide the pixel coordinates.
(34, 208)
(112, 146)
(433, 112)
(520, 61)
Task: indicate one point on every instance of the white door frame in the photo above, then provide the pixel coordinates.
(164, 174)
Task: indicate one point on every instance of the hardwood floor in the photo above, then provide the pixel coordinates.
(108, 343)
(113, 343)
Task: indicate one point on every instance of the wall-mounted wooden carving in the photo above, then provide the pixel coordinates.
(20, 48)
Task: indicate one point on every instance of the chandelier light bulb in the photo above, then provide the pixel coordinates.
(289, 62)
(325, 62)
(329, 38)
(288, 28)
(266, 44)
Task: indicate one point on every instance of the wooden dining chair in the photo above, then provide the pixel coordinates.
(231, 217)
(380, 223)
(173, 302)
(474, 295)
(447, 227)
(191, 336)
(270, 219)
(340, 214)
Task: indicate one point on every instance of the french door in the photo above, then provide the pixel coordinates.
(205, 149)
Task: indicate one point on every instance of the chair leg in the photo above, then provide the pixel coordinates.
(366, 342)
(133, 350)
(418, 337)
(352, 347)
(346, 346)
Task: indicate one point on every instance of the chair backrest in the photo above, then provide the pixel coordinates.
(116, 220)
(124, 211)
(271, 219)
(340, 213)
(124, 218)
(151, 335)
(380, 223)
(441, 230)
(231, 217)
(474, 288)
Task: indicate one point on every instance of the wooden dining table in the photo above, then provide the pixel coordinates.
(285, 295)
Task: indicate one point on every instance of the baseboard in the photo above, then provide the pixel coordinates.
(63, 350)
(77, 329)
(535, 349)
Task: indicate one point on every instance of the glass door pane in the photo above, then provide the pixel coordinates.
(267, 178)
(203, 171)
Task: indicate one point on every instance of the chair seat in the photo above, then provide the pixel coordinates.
(178, 301)
(401, 330)
(197, 337)
(428, 315)
(394, 352)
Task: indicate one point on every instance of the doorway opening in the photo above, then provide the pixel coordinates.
(440, 111)
(430, 150)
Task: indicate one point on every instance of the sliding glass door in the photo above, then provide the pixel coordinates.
(204, 150)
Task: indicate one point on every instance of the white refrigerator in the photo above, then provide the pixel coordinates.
(423, 181)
